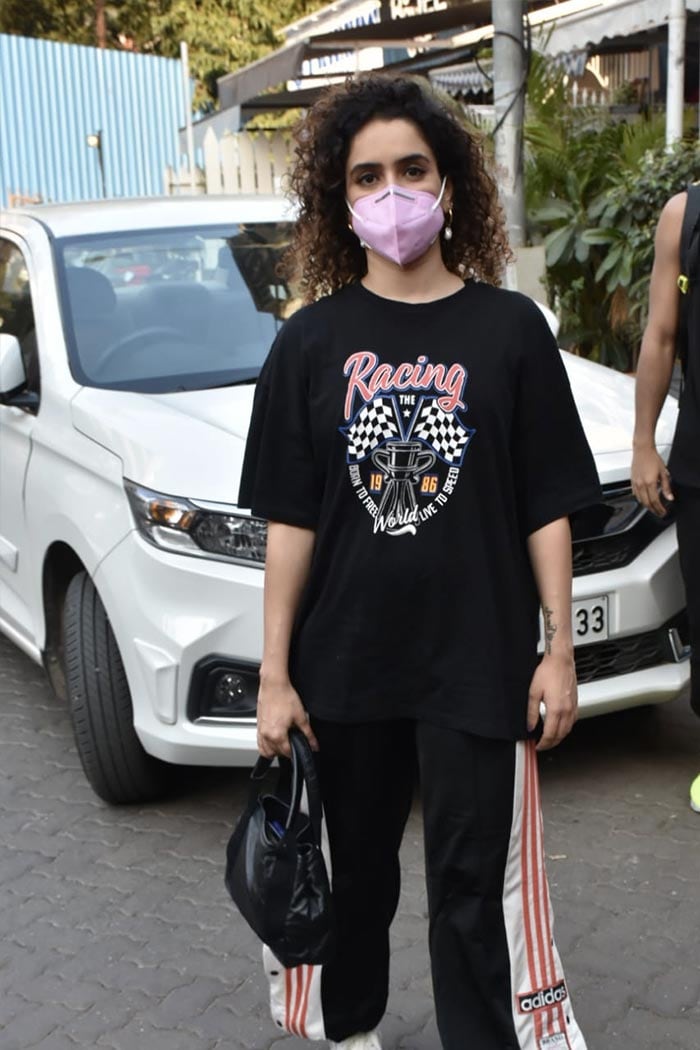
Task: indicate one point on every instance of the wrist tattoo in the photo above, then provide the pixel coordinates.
(550, 628)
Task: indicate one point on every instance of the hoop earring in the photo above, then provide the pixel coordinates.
(447, 231)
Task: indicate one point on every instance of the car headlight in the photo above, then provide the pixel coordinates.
(203, 530)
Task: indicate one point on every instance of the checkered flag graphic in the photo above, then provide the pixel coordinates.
(374, 423)
(443, 432)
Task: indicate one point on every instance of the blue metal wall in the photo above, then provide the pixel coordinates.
(53, 95)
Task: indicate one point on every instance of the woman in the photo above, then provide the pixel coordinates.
(416, 451)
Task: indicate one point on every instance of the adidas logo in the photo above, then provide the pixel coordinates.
(544, 997)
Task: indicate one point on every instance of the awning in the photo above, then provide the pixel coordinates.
(269, 102)
(471, 78)
(569, 32)
(575, 25)
(467, 79)
(610, 19)
(235, 89)
(569, 28)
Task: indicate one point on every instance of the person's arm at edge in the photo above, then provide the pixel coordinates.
(656, 358)
(287, 564)
(554, 681)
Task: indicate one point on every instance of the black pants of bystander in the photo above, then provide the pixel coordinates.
(688, 526)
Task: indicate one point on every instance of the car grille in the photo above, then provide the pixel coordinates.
(612, 552)
(601, 551)
(636, 652)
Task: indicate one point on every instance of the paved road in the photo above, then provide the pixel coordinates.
(115, 930)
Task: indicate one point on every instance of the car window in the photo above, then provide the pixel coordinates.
(16, 309)
(175, 309)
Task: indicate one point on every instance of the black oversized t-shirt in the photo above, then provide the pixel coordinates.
(422, 443)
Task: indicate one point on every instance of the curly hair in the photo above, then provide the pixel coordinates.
(325, 254)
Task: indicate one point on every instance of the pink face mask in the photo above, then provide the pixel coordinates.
(397, 223)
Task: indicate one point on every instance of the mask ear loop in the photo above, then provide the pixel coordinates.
(440, 194)
(350, 226)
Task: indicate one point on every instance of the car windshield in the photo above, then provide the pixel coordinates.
(175, 309)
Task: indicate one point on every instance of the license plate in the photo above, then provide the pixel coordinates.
(589, 621)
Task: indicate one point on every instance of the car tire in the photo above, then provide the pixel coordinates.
(115, 763)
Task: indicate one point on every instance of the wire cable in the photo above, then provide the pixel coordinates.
(521, 91)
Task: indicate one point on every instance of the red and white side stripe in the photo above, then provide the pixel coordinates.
(534, 960)
(295, 997)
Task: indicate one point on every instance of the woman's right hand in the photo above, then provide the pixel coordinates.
(280, 708)
(651, 480)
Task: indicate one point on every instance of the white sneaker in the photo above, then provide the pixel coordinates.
(361, 1041)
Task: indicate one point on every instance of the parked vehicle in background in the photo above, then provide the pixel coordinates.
(131, 337)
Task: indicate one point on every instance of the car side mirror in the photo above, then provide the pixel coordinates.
(13, 377)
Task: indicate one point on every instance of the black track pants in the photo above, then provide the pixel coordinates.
(497, 977)
(688, 527)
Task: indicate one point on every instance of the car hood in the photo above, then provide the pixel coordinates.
(186, 444)
(605, 401)
(191, 444)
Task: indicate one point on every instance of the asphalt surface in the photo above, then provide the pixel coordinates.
(116, 930)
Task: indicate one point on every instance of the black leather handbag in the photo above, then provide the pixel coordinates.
(275, 869)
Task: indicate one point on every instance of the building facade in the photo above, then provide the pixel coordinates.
(80, 123)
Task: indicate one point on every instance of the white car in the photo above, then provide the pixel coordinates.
(131, 336)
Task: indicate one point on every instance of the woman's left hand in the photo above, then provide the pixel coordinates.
(554, 685)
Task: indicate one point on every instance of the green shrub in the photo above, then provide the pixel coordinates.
(627, 216)
(594, 191)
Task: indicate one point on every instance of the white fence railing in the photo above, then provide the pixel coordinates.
(588, 97)
(238, 162)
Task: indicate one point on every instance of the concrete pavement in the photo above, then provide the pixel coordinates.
(116, 930)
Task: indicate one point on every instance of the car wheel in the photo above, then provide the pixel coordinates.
(115, 763)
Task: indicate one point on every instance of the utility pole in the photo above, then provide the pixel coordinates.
(509, 71)
(675, 74)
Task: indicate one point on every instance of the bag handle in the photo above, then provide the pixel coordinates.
(303, 774)
(303, 761)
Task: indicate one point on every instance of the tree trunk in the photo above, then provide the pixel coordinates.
(100, 24)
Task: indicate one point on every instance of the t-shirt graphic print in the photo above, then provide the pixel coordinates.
(406, 440)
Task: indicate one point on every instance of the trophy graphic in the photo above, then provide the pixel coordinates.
(402, 463)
